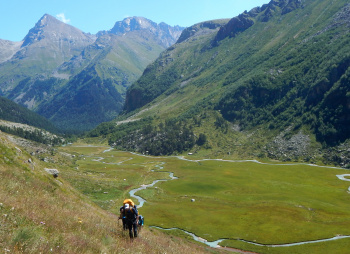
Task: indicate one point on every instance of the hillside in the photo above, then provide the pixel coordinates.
(40, 213)
(271, 82)
(13, 112)
(70, 77)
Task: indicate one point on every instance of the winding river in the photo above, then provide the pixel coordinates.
(145, 186)
(215, 244)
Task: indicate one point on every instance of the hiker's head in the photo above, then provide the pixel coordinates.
(127, 206)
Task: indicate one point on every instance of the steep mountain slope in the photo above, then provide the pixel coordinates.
(8, 49)
(48, 44)
(71, 77)
(104, 70)
(13, 112)
(272, 82)
(162, 71)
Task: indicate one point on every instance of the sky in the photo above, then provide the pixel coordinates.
(17, 17)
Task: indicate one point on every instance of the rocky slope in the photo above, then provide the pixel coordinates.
(165, 34)
(8, 49)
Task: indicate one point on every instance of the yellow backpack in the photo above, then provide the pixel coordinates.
(128, 201)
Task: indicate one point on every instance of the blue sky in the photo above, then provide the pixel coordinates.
(91, 16)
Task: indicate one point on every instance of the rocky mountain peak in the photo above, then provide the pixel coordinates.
(48, 27)
(132, 24)
(166, 34)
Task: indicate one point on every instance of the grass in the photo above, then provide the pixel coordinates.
(265, 203)
(41, 214)
(269, 203)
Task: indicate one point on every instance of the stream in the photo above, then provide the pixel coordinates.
(145, 186)
(215, 244)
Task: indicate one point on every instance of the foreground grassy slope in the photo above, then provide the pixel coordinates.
(42, 214)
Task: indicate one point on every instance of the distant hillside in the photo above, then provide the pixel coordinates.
(8, 49)
(57, 68)
(10, 111)
(272, 82)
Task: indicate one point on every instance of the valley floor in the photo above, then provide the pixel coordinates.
(274, 207)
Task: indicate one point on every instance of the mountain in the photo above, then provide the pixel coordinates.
(48, 44)
(157, 76)
(272, 82)
(8, 49)
(165, 34)
(71, 77)
(10, 111)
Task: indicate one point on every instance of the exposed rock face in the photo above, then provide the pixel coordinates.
(340, 18)
(49, 31)
(167, 35)
(283, 148)
(236, 25)
(291, 5)
(8, 49)
(245, 20)
(52, 171)
(132, 24)
(275, 6)
(200, 29)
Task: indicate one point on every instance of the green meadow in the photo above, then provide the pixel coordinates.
(269, 203)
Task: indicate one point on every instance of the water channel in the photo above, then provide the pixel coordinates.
(215, 244)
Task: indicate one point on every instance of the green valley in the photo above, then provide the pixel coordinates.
(235, 138)
(276, 88)
(266, 203)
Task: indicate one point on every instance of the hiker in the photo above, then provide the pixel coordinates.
(129, 211)
(123, 218)
(140, 221)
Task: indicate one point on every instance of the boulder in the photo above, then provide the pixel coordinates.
(52, 171)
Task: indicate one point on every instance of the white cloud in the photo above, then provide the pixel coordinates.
(63, 18)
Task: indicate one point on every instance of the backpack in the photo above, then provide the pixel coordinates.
(130, 213)
(128, 201)
(141, 220)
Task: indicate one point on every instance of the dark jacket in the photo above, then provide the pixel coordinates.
(131, 214)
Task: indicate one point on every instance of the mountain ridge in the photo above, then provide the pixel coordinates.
(277, 81)
(50, 26)
(54, 53)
